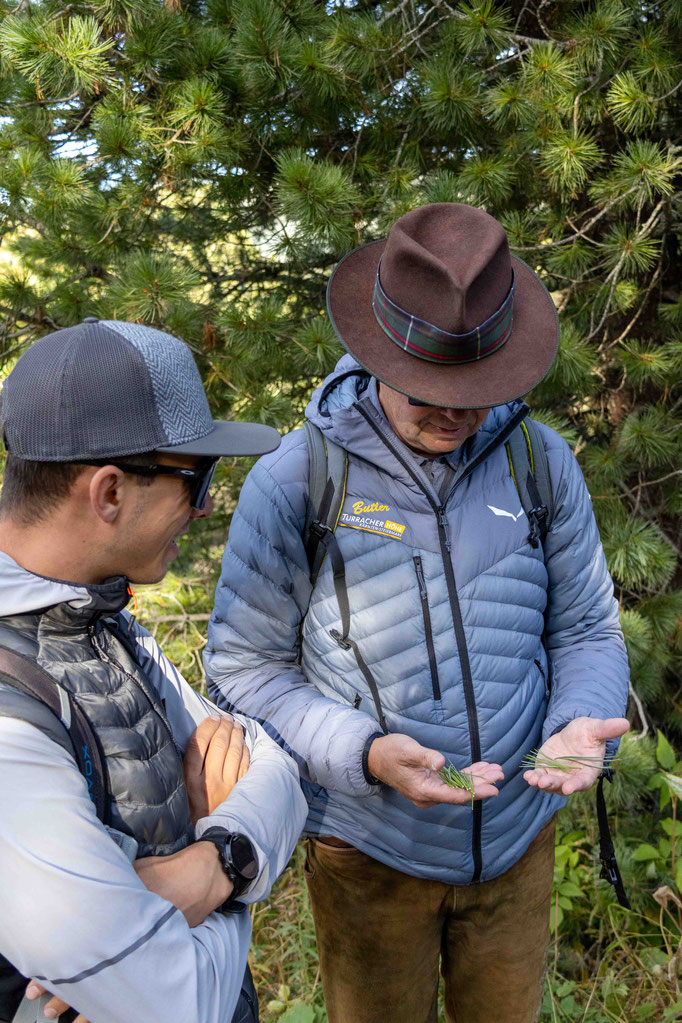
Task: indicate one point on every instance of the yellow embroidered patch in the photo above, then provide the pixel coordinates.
(360, 508)
(372, 524)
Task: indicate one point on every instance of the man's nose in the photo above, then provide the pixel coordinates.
(205, 512)
(455, 415)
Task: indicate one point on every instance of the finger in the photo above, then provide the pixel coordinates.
(233, 757)
(55, 1007)
(436, 791)
(81, 1019)
(485, 772)
(214, 761)
(545, 780)
(198, 743)
(34, 990)
(431, 759)
(612, 728)
(244, 765)
(580, 781)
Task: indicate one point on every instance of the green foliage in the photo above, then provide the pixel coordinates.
(202, 167)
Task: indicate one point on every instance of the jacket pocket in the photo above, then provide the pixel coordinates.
(430, 649)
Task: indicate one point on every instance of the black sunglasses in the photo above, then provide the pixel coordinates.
(198, 480)
(420, 404)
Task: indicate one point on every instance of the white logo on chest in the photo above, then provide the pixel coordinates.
(509, 515)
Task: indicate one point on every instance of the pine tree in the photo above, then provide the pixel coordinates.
(202, 166)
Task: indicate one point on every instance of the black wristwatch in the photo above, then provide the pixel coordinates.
(238, 859)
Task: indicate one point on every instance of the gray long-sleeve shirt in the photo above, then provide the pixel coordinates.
(73, 912)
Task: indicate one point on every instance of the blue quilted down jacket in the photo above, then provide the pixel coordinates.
(449, 605)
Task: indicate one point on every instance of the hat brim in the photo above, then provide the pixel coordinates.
(229, 439)
(507, 374)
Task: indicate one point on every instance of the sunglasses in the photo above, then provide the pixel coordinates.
(418, 403)
(198, 480)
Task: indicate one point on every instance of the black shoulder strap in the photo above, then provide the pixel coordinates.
(327, 474)
(30, 678)
(607, 854)
(530, 471)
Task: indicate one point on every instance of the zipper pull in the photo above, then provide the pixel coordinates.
(443, 523)
(420, 578)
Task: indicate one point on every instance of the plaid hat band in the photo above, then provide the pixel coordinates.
(428, 342)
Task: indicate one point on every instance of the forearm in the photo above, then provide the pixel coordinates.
(127, 954)
(267, 806)
(193, 880)
(324, 737)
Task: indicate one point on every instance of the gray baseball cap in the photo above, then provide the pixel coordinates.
(107, 388)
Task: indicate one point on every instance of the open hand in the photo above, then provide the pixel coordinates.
(55, 1007)
(412, 769)
(583, 737)
(215, 759)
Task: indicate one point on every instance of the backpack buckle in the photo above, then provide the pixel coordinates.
(319, 530)
(609, 870)
(338, 638)
(536, 518)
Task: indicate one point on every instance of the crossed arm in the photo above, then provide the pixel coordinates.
(192, 879)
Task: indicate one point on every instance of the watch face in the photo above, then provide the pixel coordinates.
(243, 857)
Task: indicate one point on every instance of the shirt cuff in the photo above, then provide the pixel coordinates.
(369, 777)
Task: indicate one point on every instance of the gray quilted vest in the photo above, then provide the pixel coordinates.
(80, 649)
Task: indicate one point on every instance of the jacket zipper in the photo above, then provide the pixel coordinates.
(460, 637)
(421, 582)
(544, 677)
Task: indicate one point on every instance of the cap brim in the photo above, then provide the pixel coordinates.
(509, 373)
(229, 439)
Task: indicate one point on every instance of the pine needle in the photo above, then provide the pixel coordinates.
(569, 763)
(457, 779)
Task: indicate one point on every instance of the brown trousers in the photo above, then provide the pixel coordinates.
(380, 934)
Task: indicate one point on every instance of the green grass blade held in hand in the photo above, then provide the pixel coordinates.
(457, 779)
(536, 758)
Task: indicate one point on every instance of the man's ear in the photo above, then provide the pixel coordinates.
(108, 489)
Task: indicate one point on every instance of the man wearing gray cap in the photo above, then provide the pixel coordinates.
(136, 821)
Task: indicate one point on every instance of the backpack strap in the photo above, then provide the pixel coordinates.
(607, 854)
(327, 475)
(29, 678)
(529, 467)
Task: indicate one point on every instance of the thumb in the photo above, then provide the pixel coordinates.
(431, 759)
(611, 728)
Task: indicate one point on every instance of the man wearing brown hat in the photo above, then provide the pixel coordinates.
(451, 620)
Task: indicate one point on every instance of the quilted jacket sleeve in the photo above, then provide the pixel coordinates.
(588, 661)
(251, 657)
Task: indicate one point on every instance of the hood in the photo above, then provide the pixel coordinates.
(24, 592)
(337, 408)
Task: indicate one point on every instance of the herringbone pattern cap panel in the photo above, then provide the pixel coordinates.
(82, 392)
(178, 392)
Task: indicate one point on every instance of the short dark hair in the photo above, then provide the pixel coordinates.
(30, 490)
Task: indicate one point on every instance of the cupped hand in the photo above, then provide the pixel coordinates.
(55, 1007)
(215, 759)
(412, 769)
(583, 737)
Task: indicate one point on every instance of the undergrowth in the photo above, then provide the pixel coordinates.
(605, 964)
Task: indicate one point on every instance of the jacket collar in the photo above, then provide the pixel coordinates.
(24, 592)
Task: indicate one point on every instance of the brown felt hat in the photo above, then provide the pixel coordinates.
(441, 310)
